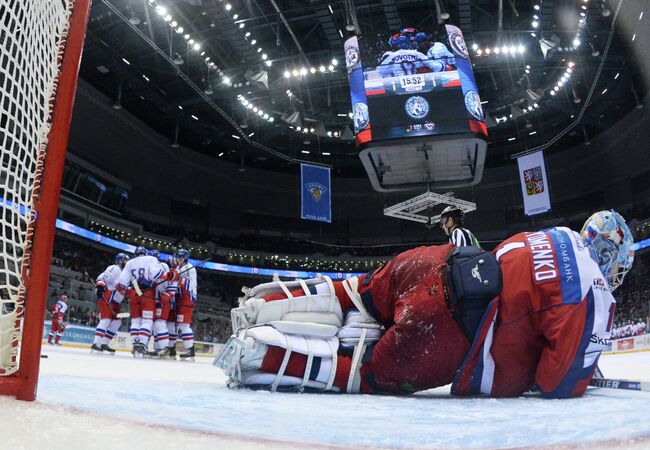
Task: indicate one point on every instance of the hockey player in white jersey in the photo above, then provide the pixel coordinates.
(440, 52)
(108, 301)
(404, 58)
(165, 291)
(186, 302)
(138, 276)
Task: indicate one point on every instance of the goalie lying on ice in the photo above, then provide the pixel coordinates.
(535, 313)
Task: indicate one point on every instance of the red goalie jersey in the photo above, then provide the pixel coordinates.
(549, 324)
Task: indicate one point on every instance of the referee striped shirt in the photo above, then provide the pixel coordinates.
(461, 237)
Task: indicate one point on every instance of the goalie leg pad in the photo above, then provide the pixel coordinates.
(318, 304)
(243, 355)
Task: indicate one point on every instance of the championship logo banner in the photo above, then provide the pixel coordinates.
(316, 199)
(534, 184)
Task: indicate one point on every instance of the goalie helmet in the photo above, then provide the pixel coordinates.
(140, 250)
(610, 243)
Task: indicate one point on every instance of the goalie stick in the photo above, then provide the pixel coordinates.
(600, 381)
(628, 385)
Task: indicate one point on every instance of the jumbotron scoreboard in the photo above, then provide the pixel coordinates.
(414, 91)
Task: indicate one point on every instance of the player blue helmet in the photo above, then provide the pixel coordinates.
(154, 253)
(400, 42)
(181, 253)
(121, 257)
(421, 37)
(140, 250)
(610, 242)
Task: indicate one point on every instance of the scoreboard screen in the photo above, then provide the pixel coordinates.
(413, 83)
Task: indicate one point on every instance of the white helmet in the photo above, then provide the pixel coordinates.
(611, 245)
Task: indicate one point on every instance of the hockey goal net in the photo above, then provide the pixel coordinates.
(40, 48)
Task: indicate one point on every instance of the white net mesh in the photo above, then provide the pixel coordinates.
(32, 37)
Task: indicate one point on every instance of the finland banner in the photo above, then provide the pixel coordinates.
(316, 200)
(534, 185)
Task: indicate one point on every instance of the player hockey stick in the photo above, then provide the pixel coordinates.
(628, 385)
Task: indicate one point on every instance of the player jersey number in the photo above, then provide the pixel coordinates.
(140, 275)
(412, 82)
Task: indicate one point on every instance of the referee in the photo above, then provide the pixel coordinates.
(451, 222)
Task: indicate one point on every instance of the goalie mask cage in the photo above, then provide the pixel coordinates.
(40, 50)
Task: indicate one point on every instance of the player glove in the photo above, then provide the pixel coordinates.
(101, 287)
(172, 275)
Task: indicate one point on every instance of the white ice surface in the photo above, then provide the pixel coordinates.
(94, 401)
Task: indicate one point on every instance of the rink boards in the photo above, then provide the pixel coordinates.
(79, 336)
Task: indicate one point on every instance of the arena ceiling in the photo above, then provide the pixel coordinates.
(187, 67)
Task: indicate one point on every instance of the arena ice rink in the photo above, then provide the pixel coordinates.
(117, 402)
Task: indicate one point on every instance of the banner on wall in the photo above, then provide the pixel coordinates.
(534, 184)
(316, 199)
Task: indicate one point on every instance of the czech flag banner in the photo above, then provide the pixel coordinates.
(534, 184)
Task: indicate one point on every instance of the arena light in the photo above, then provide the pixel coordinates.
(228, 6)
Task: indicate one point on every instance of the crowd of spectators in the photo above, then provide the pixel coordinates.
(633, 299)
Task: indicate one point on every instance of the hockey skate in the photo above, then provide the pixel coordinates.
(95, 348)
(138, 350)
(107, 349)
(188, 355)
(172, 353)
(161, 353)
